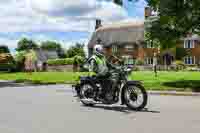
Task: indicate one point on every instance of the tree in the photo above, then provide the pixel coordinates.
(4, 49)
(176, 19)
(52, 45)
(180, 53)
(25, 44)
(78, 49)
(120, 2)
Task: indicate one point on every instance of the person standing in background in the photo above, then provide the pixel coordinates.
(155, 63)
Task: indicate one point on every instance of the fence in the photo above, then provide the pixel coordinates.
(62, 68)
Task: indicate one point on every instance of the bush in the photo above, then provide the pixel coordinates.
(139, 62)
(179, 62)
(66, 61)
(192, 68)
(180, 65)
(20, 58)
(78, 59)
(136, 68)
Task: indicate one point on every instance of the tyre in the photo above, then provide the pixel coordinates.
(132, 95)
(87, 94)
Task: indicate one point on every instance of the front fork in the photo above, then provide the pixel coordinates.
(122, 92)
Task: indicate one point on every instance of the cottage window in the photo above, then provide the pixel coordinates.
(189, 44)
(148, 60)
(114, 49)
(189, 60)
(150, 45)
(129, 47)
(130, 61)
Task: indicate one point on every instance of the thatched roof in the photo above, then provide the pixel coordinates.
(119, 33)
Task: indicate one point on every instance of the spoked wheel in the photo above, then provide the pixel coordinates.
(87, 94)
(135, 97)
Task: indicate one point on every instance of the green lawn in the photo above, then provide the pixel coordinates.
(180, 81)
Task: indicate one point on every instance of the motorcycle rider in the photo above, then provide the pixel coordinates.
(104, 70)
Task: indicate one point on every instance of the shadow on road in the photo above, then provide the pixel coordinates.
(122, 109)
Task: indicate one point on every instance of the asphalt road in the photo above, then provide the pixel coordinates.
(53, 109)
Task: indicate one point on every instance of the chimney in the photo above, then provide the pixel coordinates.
(98, 24)
(148, 12)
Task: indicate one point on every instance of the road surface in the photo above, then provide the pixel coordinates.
(53, 109)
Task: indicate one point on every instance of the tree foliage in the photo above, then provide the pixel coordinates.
(77, 50)
(52, 45)
(20, 56)
(180, 53)
(4, 49)
(176, 19)
(78, 60)
(120, 2)
(25, 44)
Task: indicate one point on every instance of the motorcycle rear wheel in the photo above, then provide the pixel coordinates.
(84, 98)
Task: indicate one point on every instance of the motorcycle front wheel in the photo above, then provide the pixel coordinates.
(135, 97)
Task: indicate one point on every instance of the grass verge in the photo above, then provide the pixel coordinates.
(178, 81)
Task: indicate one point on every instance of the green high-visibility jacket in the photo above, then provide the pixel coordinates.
(98, 65)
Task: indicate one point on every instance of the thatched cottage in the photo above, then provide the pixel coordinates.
(121, 39)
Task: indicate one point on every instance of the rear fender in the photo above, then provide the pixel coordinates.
(87, 80)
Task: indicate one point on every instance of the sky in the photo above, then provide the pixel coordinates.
(64, 21)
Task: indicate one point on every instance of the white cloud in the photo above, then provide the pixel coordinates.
(63, 7)
(56, 15)
(108, 11)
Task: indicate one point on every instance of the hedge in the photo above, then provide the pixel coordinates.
(66, 61)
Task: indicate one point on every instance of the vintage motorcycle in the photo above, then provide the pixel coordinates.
(92, 90)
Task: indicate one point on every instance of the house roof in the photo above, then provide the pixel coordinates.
(44, 55)
(120, 32)
(41, 55)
